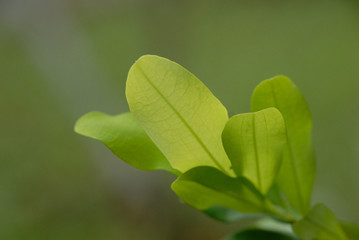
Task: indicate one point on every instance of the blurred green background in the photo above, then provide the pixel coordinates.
(61, 59)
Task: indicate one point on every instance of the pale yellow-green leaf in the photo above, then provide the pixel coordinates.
(254, 143)
(297, 174)
(178, 112)
(125, 138)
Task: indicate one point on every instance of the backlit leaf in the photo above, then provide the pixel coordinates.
(296, 176)
(254, 143)
(178, 112)
(125, 138)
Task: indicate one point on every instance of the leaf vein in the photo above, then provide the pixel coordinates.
(182, 119)
(292, 158)
(256, 152)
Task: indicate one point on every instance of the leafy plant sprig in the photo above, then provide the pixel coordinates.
(258, 164)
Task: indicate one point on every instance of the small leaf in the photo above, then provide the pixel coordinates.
(125, 138)
(297, 173)
(319, 224)
(178, 112)
(258, 234)
(205, 187)
(254, 143)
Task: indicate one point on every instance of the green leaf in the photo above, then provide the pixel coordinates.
(319, 224)
(205, 187)
(351, 230)
(296, 176)
(254, 144)
(125, 138)
(258, 234)
(228, 215)
(179, 113)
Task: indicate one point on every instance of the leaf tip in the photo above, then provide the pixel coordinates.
(147, 57)
(81, 125)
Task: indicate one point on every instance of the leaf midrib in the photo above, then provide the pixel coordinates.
(256, 152)
(182, 119)
(292, 158)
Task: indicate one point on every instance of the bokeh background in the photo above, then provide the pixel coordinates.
(62, 58)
